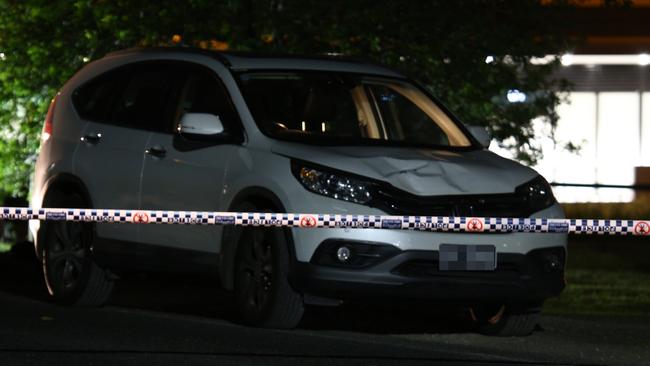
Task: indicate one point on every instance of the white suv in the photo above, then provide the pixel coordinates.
(186, 129)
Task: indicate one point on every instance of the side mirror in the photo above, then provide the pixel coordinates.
(200, 124)
(481, 134)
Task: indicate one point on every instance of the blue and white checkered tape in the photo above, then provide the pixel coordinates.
(421, 223)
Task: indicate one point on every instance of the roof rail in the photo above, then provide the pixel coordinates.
(193, 50)
(222, 56)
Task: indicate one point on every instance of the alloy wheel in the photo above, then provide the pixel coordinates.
(256, 271)
(66, 256)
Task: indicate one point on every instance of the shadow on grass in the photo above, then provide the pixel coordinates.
(20, 274)
(606, 276)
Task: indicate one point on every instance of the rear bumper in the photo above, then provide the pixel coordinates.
(415, 275)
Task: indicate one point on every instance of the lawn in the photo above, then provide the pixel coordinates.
(606, 275)
(603, 292)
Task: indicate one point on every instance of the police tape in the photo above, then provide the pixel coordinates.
(421, 223)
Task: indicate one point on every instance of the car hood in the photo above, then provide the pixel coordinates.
(424, 172)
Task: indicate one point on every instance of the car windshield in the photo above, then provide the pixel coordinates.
(341, 108)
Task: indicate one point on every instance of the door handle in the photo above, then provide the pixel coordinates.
(92, 138)
(157, 151)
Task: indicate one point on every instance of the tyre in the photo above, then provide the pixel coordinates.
(71, 275)
(513, 320)
(264, 296)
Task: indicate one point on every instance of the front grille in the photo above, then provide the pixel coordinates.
(397, 202)
(429, 268)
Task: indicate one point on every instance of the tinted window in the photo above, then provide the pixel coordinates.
(93, 100)
(144, 101)
(139, 96)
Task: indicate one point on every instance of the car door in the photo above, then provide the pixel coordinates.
(122, 108)
(109, 158)
(188, 175)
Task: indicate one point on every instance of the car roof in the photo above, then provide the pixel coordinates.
(242, 61)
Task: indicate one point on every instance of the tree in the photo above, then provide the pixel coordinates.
(444, 44)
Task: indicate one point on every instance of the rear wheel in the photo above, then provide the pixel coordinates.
(506, 320)
(71, 275)
(265, 297)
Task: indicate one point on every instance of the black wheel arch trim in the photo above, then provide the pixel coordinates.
(69, 183)
(260, 197)
(65, 183)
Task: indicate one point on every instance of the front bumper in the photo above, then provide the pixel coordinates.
(414, 274)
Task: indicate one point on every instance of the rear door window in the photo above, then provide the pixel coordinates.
(140, 96)
(94, 99)
(147, 100)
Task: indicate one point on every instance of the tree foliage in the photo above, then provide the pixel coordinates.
(444, 44)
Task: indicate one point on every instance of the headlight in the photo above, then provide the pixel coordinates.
(332, 184)
(537, 194)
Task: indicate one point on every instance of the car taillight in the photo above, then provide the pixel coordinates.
(49, 120)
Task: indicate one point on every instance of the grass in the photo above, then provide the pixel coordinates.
(599, 292)
(605, 276)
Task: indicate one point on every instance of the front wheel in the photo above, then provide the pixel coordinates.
(264, 296)
(512, 320)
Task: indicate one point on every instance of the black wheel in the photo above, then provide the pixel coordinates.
(71, 275)
(264, 296)
(513, 320)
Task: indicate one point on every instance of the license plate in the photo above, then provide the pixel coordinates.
(455, 257)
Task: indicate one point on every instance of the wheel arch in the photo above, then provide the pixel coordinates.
(262, 199)
(62, 185)
(65, 183)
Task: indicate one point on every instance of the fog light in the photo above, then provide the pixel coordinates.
(352, 254)
(343, 254)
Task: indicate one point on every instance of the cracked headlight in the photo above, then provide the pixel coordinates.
(332, 184)
(537, 194)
